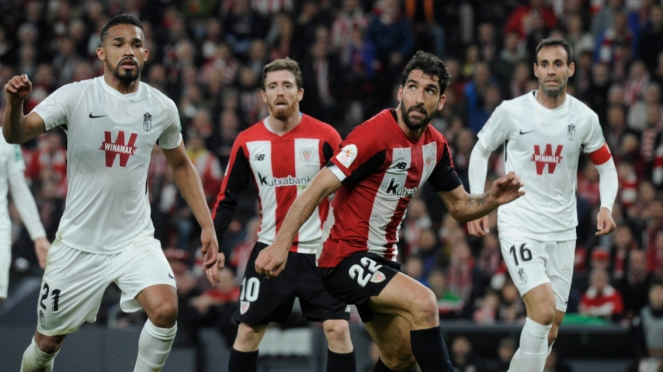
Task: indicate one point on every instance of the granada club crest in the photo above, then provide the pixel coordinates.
(571, 133)
(306, 154)
(147, 121)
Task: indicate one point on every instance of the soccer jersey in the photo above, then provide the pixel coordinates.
(542, 146)
(11, 163)
(110, 139)
(381, 170)
(281, 166)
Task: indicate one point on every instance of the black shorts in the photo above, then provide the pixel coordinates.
(358, 277)
(265, 300)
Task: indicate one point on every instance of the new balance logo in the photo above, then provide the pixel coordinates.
(119, 147)
(547, 158)
(259, 157)
(395, 188)
(400, 165)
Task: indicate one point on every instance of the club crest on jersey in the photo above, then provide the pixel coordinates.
(306, 154)
(147, 121)
(244, 306)
(571, 133)
(428, 163)
(347, 155)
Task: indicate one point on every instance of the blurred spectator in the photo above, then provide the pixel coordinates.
(462, 356)
(635, 284)
(511, 308)
(505, 350)
(554, 364)
(507, 59)
(350, 18)
(449, 304)
(392, 34)
(577, 36)
(601, 299)
(623, 244)
(651, 40)
(487, 311)
(604, 18)
(636, 83)
(522, 18)
(207, 164)
(649, 330)
(242, 25)
(475, 95)
(638, 111)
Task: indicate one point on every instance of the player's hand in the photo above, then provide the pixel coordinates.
(42, 245)
(271, 261)
(18, 89)
(507, 189)
(213, 260)
(479, 227)
(604, 222)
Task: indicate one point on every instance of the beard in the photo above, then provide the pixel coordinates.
(552, 92)
(129, 76)
(281, 113)
(415, 124)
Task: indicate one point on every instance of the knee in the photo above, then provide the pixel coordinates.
(543, 314)
(338, 335)
(249, 337)
(398, 361)
(49, 344)
(425, 310)
(165, 315)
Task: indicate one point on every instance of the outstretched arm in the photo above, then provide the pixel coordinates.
(16, 127)
(465, 207)
(271, 260)
(188, 182)
(608, 185)
(477, 175)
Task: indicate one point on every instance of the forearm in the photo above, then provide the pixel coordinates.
(608, 183)
(473, 207)
(188, 182)
(300, 211)
(478, 168)
(25, 204)
(13, 122)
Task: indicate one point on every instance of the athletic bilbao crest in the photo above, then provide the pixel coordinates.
(378, 277)
(147, 121)
(571, 133)
(244, 306)
(428, 163)
(306, 154)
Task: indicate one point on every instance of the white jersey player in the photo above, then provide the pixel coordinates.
(12, 180)
(105, 235)
(543, 133)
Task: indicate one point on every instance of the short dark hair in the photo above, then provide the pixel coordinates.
(551, 43)
(121, 19)
(283, 64)
(431, 66)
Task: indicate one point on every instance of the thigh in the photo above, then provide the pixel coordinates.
(358, 278)
(263, 300)
(140, 266)
(317, 304)
(71, 290)
(560, 271)
(526, 260)
(391, 335)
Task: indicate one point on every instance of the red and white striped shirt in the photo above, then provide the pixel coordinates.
(381, 170)
(281, 166)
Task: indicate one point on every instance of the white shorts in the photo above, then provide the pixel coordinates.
(5, 260)
(532, 263)
(75, 281)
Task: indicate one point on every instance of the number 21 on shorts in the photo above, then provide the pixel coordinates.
(357, 272)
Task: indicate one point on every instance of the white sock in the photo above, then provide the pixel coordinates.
(514, 366)
(533, 346)
(153, 347)
(35, 360)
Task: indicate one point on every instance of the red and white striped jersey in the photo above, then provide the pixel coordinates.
(381, 170)
(281, 166)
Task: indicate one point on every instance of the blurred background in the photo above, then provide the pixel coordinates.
(208, 57)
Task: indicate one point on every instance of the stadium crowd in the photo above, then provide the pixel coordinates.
(208, 57)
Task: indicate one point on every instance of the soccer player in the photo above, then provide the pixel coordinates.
(543, 133)
(381, 165)
(12, 180)
(280, 155)
(106, 235)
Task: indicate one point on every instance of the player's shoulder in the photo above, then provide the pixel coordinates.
(378, 124)
(158, 97)
(577, 107)
(515, 104)
(319, 127)
(77, 88)
(435, 135)
(255, 132)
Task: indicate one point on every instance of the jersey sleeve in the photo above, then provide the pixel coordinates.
(444, 176)
(331, 144)
(18, 187)
(235, 181)
(594, 139)
(56, 109)
(358, 156)
(496, 130)
(171, 137)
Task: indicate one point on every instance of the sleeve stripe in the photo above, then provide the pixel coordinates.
(337, 171)
(601, 155)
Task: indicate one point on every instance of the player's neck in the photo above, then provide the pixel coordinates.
(282, 127)
(121, 87)
(412, 134)
(549, 102)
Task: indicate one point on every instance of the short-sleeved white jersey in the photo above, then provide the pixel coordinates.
(110, 137)
(11, 163)
(542, 146)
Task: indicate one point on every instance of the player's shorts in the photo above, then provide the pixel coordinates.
(265, 300)
(358, 277)
(74, 282)
(532, 263)
(5, 260)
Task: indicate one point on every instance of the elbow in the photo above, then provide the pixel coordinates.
(457, 214)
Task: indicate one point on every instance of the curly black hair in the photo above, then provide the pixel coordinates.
(431, 66)
(121, 19)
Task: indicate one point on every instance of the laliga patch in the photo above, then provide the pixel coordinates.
(378, 277)
(244, 307)
(347, 155)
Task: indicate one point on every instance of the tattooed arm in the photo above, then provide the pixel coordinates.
(465, 207)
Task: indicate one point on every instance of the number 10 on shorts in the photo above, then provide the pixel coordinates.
(357, 272)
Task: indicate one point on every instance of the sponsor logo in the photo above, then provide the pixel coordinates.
(170, 275)
(244, 306)
(378, 277)
(571, 133)
(547, 158)
(259, 157)
(285, 181)
(395, 188)
(119, 147)
(400, 165)
(529, 131)
(347, 155)
(307, 154)
(522, 275)
(96, 116)
(147, 121)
